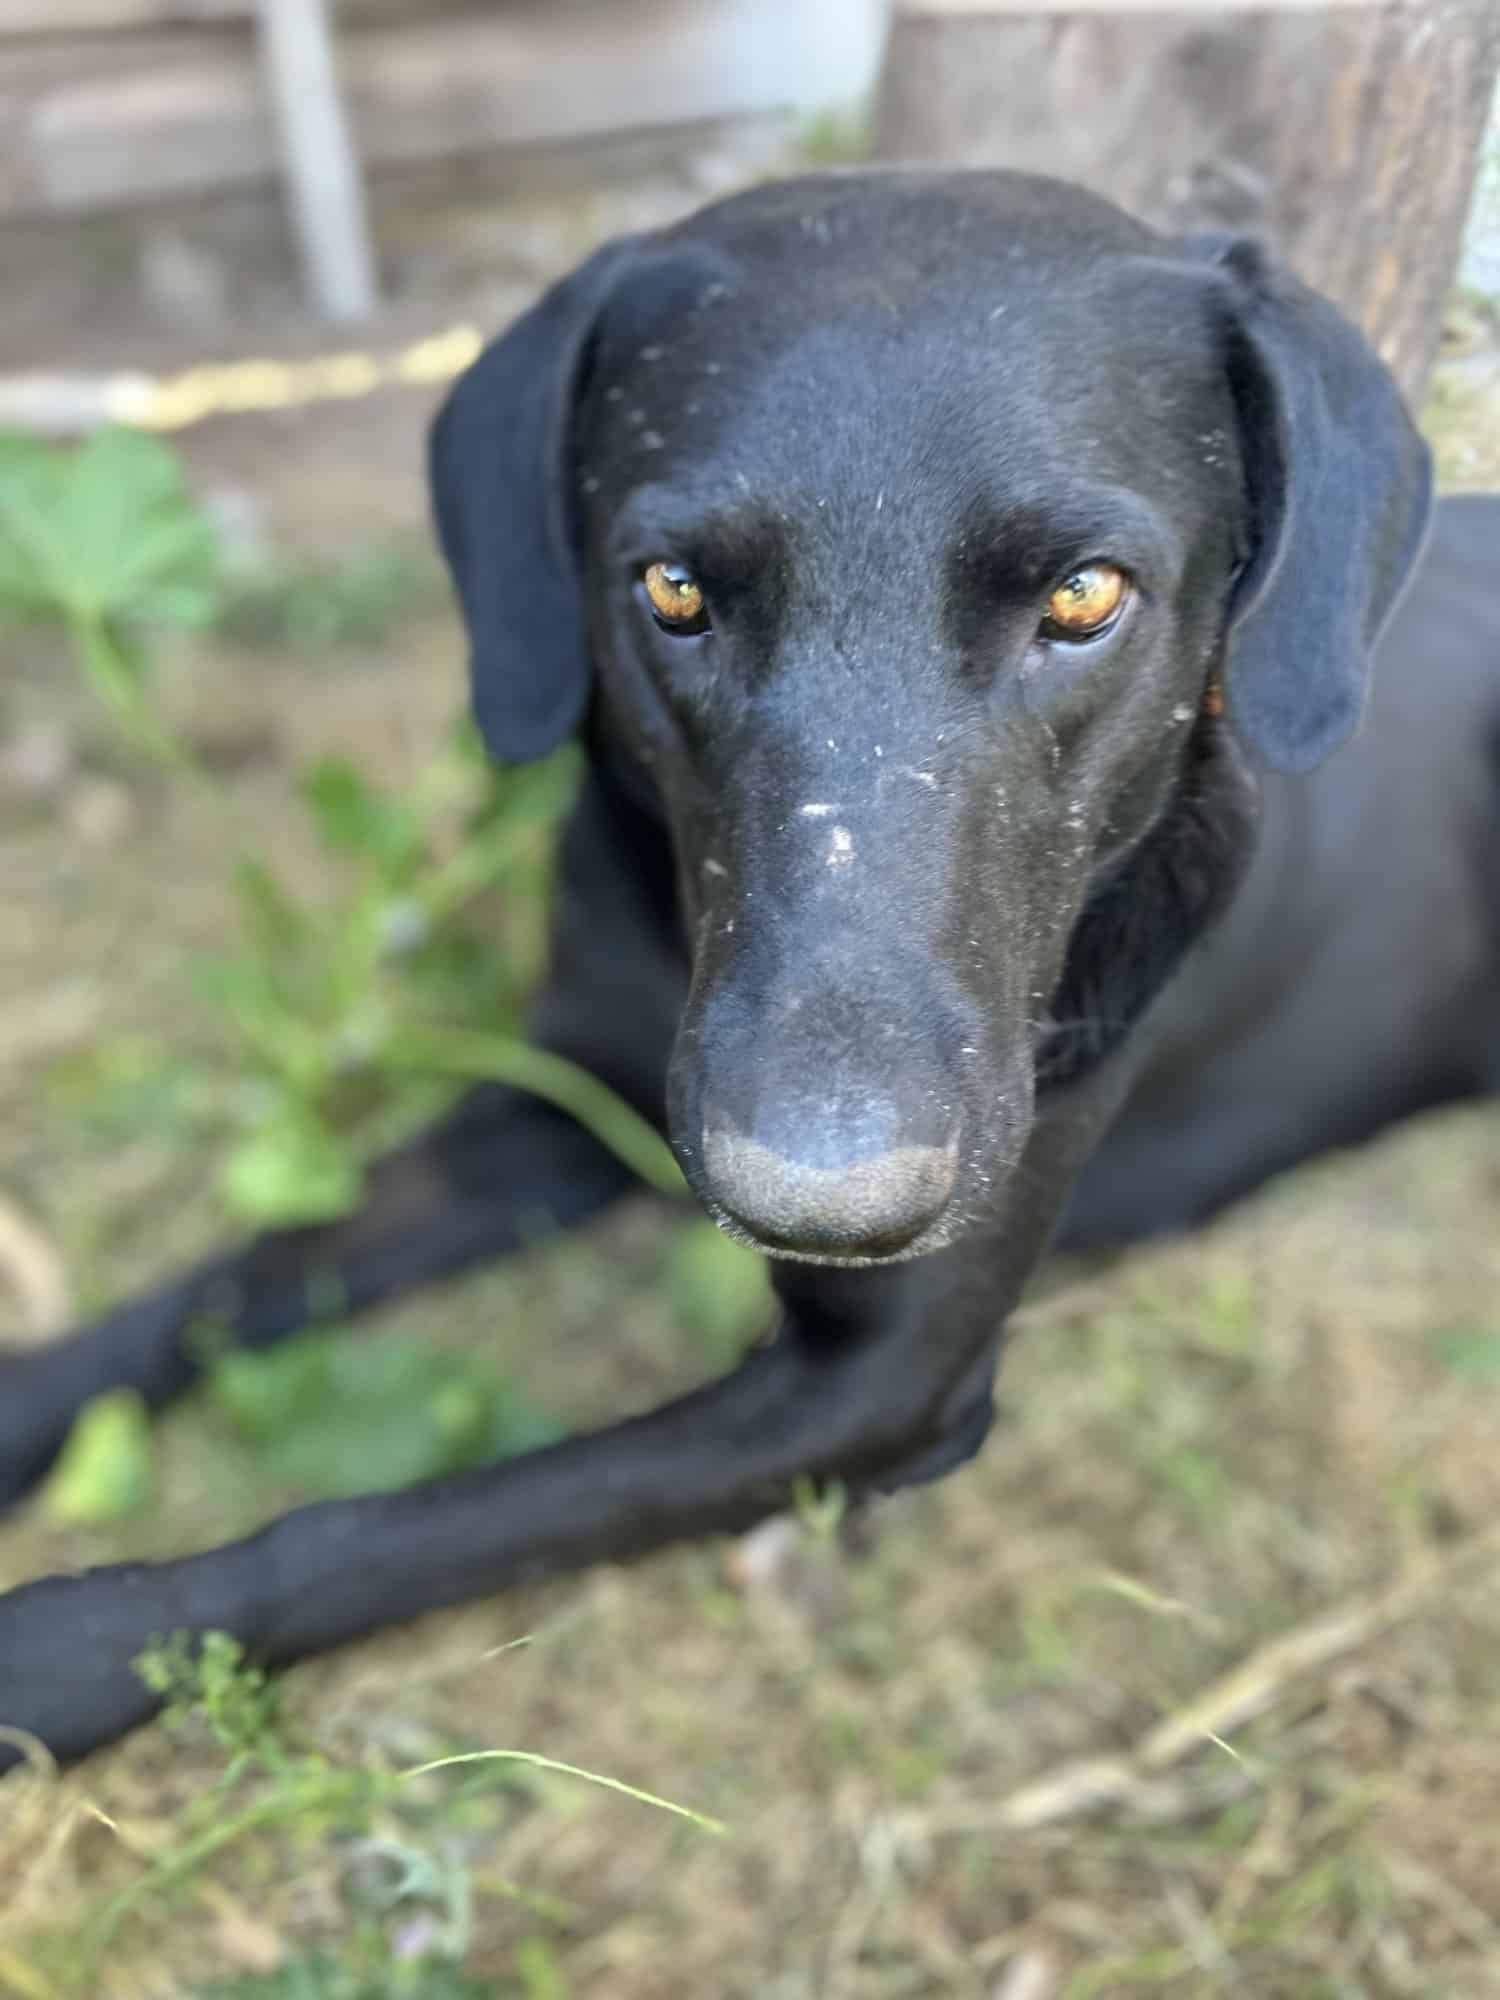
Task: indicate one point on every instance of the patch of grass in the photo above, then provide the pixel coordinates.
(322, 1975)
(339, 604)
(1472, 1353)
(837, 138)
(113, 1088)
(405, 1885)
(1461, 421)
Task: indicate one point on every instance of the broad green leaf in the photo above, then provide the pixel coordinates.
(104, 1470)
(335, 1414)
(107, 531)
(294, 1169)
(720, 1291)
(352, 817)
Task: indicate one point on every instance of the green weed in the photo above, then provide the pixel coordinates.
(333, 1415)
(312, 608)
(105, 541)
(352, 1015)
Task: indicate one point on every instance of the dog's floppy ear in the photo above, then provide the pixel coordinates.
(1339, 489)
(498, 461)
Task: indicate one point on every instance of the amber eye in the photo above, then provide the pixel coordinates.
(676, 598)
(1085, 603)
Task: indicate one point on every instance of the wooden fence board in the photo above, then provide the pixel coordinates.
(101, 122)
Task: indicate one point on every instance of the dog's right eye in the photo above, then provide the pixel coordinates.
(676, 598)
(1086, 603)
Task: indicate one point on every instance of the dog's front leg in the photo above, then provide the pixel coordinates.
(718, 1460)
(877, 1376)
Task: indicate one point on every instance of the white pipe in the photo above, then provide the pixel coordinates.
(327, 196)
(73, 405)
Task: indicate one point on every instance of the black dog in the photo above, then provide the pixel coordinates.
(941, 567)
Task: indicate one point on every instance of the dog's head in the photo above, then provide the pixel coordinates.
(903, 529)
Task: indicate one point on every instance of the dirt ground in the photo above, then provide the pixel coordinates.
(1189, 1686)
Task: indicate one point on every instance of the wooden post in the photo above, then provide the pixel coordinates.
(322, 171)
(1347, 130)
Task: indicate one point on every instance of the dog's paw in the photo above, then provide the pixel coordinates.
(959, 1443)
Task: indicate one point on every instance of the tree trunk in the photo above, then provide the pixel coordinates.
(1348, 131)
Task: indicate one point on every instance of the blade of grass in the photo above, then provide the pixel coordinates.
(541, 1763)
(312, 1789)
(496, 1059)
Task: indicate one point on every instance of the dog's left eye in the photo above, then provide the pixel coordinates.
(676, 598)
(1086, 603)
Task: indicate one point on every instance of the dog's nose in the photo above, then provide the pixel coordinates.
(870, 1205)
